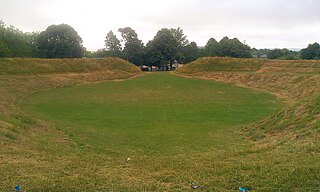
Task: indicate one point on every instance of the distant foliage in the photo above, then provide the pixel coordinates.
(227, 48)
(191, 52)
(113, 45)
(163, 49)
(133, 50)
(15, 43)
(168, 46)
(260, 53)
(234, 48)
(311, 52)
(60, 41)
(212, 48)
(283, 54)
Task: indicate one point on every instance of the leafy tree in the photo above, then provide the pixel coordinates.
(202, 52)
(191, 52)
(182, 42)
(13, 42)
(99, 53)
(179, 36)
(234, 48)
(284, 54)
(260, 53)
(31, 39)
(113, 45)
(4, 50)
(163, 49)
(133, 50)
(60, 41)
(276, 54)
(311, 52)
(212, 48)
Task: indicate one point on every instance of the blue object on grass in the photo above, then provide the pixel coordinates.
(242, 189)
(17, 188)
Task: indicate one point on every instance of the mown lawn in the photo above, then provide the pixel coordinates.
(157, 114)
(175, 130)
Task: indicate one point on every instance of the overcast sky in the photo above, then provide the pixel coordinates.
(261, 23)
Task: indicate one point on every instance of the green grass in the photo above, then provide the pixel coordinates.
(51, 66)
(251, 65)
(175, 130)
(157, 114)
(206, 64)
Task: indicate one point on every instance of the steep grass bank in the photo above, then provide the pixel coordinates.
(51, 66)
(175, 130)
(297, 82)
(290, 138)
(20, 77)
(30, 149)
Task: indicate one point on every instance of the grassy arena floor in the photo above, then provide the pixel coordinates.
(175, 130)
(157, 114)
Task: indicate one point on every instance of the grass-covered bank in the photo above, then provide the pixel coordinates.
(292, 134)
(49, 155)
(27, 66)
(24, 139)
(175, 130)
(221, 64)
(297, 82)
(20, 77)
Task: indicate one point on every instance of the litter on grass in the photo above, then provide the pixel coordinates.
(17, 188)
(194, 186)
(242, 189)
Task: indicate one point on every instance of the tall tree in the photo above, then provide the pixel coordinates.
(162, 49)
(182, 42)
(31, 39)
(113, 45)
(311, 52)
(234, 48)
(133, 50)
(212, 48)
(179, 36)
(4, 50)
(191, 52)
(13, 42)
(60, 41)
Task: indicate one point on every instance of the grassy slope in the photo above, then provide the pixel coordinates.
(175, 136)
(50, 66)
(22, 138)
(20, 77)
(295, 81)
(293, 133)
(45, 159)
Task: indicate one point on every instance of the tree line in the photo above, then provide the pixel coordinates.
(167, 46)
(311, 52)
(57, 41)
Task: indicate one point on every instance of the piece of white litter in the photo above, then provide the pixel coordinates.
(129, 159)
